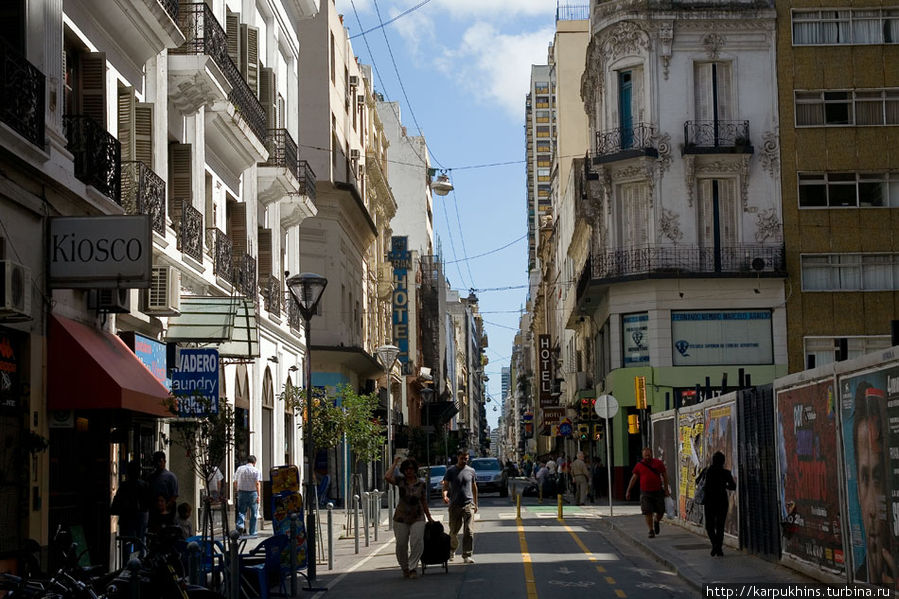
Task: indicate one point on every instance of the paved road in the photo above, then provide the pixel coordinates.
(535, 557)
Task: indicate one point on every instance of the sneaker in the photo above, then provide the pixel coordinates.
(655, 527)
(452, 555)
(468, 560)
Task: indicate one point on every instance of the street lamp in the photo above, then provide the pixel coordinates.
(387, 357)
(307, 290)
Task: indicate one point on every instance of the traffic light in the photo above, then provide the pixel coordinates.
(586, 409)
(597, 432)
(640, 392)
(583, 432)
(633, 424)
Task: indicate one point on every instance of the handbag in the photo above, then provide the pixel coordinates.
(699, 493)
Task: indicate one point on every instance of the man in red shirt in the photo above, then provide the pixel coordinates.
(653, 489)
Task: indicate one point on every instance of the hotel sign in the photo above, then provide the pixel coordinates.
(544, 372)
(100, 252)
(401, 259)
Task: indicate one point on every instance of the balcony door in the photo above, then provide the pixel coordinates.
(717, 220)
(625, 112)
(712, 94)
(635, 215)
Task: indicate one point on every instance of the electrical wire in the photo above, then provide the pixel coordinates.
(396, 18)
(370, 55)
(462, 239)
(513, 242)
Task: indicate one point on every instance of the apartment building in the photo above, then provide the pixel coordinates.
(838, 95)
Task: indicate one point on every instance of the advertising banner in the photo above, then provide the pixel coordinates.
(634, 336)
(809, 490)
(690, 459)
(704, 338)
(720, 435)
(195, 382)
(869, 417)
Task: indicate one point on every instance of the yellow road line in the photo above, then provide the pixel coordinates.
(530, 581)
(610, 580)
(590, 556)
(600, 569)
(620, 593)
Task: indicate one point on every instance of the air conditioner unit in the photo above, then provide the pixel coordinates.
(15, 291)
(354, 81)
(110, 300)
(354, 154)
(163, 298)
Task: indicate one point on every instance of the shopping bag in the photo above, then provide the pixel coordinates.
(670, 510)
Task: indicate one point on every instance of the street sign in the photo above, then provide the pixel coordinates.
(606, 406)
(195, 382)
(565, 429)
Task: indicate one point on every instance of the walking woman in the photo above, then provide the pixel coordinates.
(409, 517)
(718, 481)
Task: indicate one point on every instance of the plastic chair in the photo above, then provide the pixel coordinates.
(322, 491)
(269, 571)
(213, 555)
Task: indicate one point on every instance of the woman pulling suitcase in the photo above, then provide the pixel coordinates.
(409, 516)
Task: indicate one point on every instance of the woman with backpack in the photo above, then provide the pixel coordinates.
(409, 516)
(718, 481)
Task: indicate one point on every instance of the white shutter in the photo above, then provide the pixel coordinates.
(727, 211)
(706, 213)
(637, 103)
(725, 92)
(635, 214)
(702, 90)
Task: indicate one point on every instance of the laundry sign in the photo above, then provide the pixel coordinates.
(195, 382)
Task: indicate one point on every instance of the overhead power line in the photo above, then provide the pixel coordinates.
(396, 18)
(513, 242)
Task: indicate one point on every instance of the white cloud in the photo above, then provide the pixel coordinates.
(488, 9)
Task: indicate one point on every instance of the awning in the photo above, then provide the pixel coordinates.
(91, 369)
(356, 359)
(227, 323)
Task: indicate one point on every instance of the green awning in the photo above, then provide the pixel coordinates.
(228, 323)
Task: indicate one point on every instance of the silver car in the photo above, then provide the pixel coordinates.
(490, 475)
(436, 482)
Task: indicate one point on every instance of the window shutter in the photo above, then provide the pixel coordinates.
(281, 108)
(143, 133)
(249, 56)
(180, 178)
(637, 95)
(237, 228)
(706, 213)
(93, 86)
(265, 252)
(232, 31)
(702, 90)
(727, 211)
(267, 97)
(126, 102)
(724, 69)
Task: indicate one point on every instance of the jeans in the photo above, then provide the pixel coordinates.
(409, 543)
(461, 516)
(246, 500)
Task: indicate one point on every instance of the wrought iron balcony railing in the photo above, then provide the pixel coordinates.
(21, 95)
(716, 136)
(190, 233)
(306, 176)
(98, 155)
(222, 252)
(282, 150)
(244, 278)
(143, 192)
(669, 261)
(171, 7)
(271, 295)
(205, 35)
(623, 142)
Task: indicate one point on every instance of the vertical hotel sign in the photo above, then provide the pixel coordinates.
(402, 263)
(544, 371)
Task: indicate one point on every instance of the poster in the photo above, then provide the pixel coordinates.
(690, 459)
(720, 435)
(809, 488)
(635, 339)
(869, 416)
(702, 338)
(665, 449)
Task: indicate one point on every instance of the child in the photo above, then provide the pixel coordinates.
(183, 520)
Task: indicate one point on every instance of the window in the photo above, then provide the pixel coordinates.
(850, 272)
(848, 26)
(848, 190)
(823, 350)
(333, 61)
(875, 107)
(633, 203)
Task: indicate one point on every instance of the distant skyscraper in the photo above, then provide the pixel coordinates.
(506, 381)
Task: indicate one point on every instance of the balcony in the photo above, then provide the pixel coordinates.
(717, 137)
(21, 96)
(98, 155)
(202, 73)
(668, 261)
(244, 277)
(626, 142)
(295, 208)
(143, 192)
(190, 232)
(277, 176)
(272, 297)
(221, 250)
(142, 28)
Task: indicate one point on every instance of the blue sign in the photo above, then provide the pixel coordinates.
(565, 429)
(401, 259)
(153, 355)
(195, 382)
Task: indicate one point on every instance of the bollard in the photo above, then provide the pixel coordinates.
(356, 520)
(330, 536)
(540, 493)
(293, 554)
(193, 562)
(365, 519)
(134, 578)
(560, 506)
(376, 508)
(390, 508)
(518, 505)
(234, 565)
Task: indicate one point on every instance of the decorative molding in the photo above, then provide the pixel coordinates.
(624, 37)
(666, 40)
(684, 25)
(690, 177)
(769, 155)
(738, 166)
(663, 145)
(713, 43)
(744, 181)
(767, 226)
(669, 225)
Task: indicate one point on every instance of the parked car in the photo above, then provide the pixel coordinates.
(491, 476)
(437, 474)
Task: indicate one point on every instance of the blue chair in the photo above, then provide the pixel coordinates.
(212, 560)
(322, 490)
(268, 571)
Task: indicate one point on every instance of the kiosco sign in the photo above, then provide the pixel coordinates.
(100, 252)
(195, 382)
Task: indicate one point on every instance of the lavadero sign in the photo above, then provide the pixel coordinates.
(195, 382)
(100, 252)
(401, 259)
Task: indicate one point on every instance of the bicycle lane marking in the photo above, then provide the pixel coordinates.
(356, 566)
(530, 581)
(609, 580)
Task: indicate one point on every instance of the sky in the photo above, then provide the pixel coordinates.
(460, 70)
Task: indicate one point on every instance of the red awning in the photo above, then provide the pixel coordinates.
(94, 370)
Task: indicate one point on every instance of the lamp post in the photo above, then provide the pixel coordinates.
(426, 395)
(307, 290)
(387, 355)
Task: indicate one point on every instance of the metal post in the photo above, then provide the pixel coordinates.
(193, 562)
(376, 496)
(234, 572)
(559, 500)
(356, 520)
(391, 499)
(518, 503)
(310, 458)
(608, 433)
(365, 516)
(293, 554)
(330, 536)
(134, 579)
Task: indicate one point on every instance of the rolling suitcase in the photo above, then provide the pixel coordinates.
(436, 547)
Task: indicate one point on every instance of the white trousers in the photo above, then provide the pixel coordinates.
(410, 541)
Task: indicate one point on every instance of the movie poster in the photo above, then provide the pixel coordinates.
(720, 435)
(690, 460)
(869, 413)
(665, 449)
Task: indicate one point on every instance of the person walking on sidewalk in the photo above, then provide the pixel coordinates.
(246, 482)
(460, 491)
(653, 479)
(718, 480)
(580, 473)
(409, 516)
